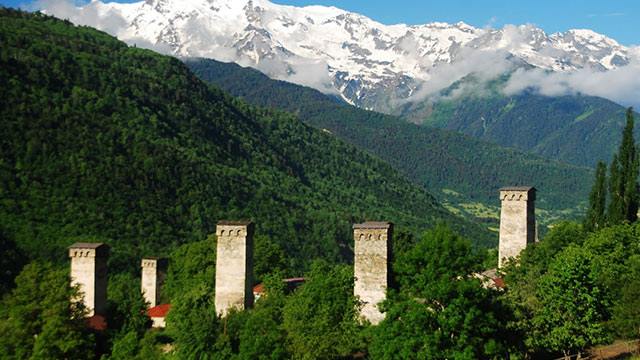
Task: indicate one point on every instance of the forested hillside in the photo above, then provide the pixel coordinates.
(576, 129)
(462, 171)
(105, 142)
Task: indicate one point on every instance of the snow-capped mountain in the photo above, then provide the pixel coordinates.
(367, 63)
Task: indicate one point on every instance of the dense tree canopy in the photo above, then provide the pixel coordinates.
(37, 320)
(441, 310)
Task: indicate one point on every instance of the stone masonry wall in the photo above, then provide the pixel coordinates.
(89, 271)
(517, 221)
(372, 263)
(234, 266)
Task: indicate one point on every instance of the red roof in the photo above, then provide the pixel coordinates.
(258, 289)
(97, 322)
(499, 282)
(159, 311)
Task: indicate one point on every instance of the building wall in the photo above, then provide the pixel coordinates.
(158, 322)
(372, 259)
(234, 267)
(90, 273)
(150, 283)
(517, 222)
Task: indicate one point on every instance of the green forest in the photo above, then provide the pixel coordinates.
(102, 142)
(463, 172)
(121, 145)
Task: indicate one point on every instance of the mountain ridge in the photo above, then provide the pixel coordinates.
(367, 63)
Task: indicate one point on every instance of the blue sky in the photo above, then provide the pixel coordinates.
(615, 18)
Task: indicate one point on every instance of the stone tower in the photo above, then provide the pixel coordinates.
(372, 266)
(234, 266)
(89, 271)
(153, 274)
(517, 221)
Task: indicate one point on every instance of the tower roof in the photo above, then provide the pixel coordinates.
(83, 245)
(518, 188)
(235, 222)
(373, 225)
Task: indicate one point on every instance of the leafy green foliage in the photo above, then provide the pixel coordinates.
(439, 160)
(191, 265)
(441, 311)
(571, 290)
(626, 313)
(596, 213)
(623, 183)
(103, 140)
(130, 346)
(11, 263)
(321, 317)
(126, 310)
(194, 326)
(262, 336)
(37, 320)
(572, 304)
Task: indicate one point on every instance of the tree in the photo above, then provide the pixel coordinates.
(596, 213)
(441, 311)
(573, 305)
(38, 321)
(195, 327)
(268, 257)
(11, 262)
(624, 178)
(626, 312)
(130, 346)
(127, 308)
(191, 265)
(262, 335)
(615, 210)
(321, 317)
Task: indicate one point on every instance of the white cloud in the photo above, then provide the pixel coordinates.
(89, 14)
(484, 65)
(621, 85)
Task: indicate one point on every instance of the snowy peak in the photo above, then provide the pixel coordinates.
(367, 63)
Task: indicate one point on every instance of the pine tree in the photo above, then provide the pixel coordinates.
(624, 178)
(615, 212)
(630, 170)
(596, 215)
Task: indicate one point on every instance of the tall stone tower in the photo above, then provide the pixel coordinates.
(234, 266)
(153, 274)
(372, 266)
(89, 271)
(517, 221)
